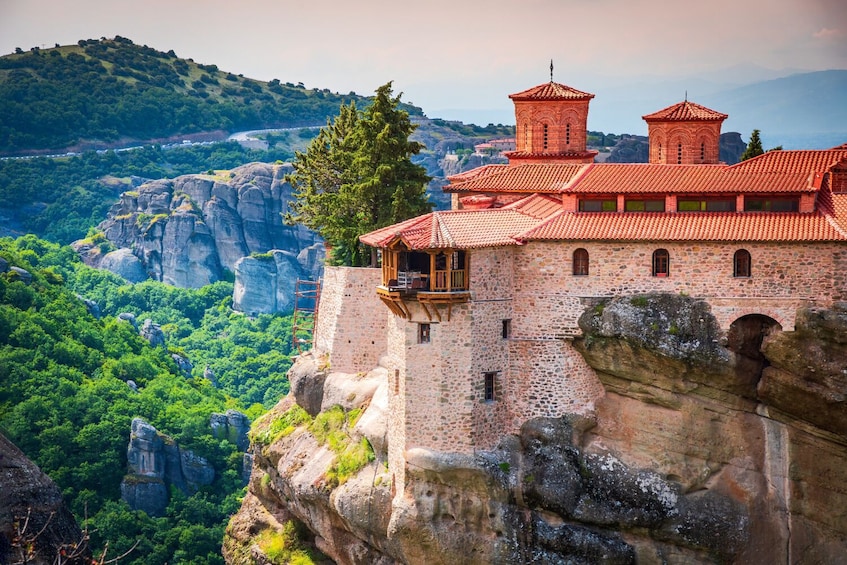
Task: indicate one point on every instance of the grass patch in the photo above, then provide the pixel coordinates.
(638, 301)
(281, 427)
(331, 428)
(283, 547)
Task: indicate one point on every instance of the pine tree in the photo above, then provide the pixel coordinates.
(357, 176)
(754, 147)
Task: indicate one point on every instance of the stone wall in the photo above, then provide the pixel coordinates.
(548, 297)
(351, 324)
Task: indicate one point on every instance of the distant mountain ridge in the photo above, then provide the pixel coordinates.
(100, 93)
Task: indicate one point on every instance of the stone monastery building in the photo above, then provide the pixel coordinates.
(481, 302)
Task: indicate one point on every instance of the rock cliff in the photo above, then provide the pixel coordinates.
(191, 230)
(707, 447)
(156, 463)
(32, 512)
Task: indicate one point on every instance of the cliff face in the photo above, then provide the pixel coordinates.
(190, 230)
(32, 512)
(707, 447)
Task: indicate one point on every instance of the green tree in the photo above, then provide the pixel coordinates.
(754, 147)
(357, 176)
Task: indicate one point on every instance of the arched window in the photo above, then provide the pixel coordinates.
(546, 135)
(580, 262)
(661, 263)
(741, 263)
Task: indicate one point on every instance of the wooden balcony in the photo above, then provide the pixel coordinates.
(437, 278)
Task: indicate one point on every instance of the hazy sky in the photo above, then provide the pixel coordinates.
(453, 54)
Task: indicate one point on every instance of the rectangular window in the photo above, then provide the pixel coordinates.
(598, 205)
(645, 205)
(489, 392)
(771, 204)
(507, 329)
(423, 333)
(705, 205)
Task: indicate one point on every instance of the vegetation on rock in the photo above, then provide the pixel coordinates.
(67, 401)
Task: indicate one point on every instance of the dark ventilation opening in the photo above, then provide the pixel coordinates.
(745, 338)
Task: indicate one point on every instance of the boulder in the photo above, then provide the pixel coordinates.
(21, 274)
(123, 263)
(152, 332)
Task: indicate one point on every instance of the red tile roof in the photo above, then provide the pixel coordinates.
(455, 229)
(478, 171)
(538, 206)
(805, 160)
(551, 91)
(540, 216)
(685, 112)
(549, 178)
(643, 178)
(692, 226)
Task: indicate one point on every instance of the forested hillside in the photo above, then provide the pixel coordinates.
(66, 402)
(110, 90)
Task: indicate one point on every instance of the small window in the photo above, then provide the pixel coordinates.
(741, 263)
(507, 329)
(545, 138)
(661, 263)
(645, 205)
(489, 394)
(598, 205)
(423, 333)
(705, 205)
(771, 204)
(580, 262)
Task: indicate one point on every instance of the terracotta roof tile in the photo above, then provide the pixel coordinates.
(473, 173)
(805, 160)
(529, 178)
(685, 112)
(458, 229)
(643, 178)
(551, 91)
(696, 226)
(538, 206)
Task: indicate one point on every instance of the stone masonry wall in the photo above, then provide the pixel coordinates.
(351, 319)
(549, 298)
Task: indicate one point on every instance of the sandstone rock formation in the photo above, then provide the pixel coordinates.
(122, 262)
(265, 283)
(190, 231)
(232, 426)
(32, 510)
(155, 462)
(708, 447)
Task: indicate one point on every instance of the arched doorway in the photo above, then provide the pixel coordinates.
(745, 338)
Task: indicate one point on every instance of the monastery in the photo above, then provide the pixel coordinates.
(474, 310)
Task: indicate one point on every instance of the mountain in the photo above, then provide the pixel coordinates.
(110, 92)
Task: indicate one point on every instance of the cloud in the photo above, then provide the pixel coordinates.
(827, 33)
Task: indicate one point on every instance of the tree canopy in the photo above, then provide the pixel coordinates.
(754, 146)
(357, 176)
